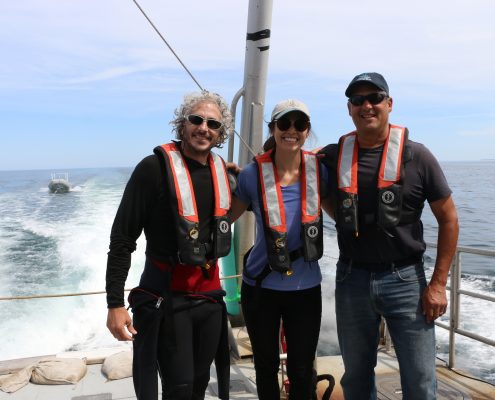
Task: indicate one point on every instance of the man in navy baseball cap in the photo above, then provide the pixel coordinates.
(373, 78)
(379, 182)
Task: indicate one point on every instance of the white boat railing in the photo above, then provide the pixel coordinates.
(456, 292)
(454, 287)
(64, 176)
(455, 303)
(55, 295)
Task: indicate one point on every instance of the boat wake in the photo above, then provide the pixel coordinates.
(58, 244)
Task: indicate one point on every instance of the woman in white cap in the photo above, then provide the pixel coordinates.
(281, 276)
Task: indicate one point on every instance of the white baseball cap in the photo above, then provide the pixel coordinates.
(287, 106)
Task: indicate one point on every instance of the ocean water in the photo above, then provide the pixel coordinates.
(57, 244)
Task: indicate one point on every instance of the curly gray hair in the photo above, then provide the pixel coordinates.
(191, 100)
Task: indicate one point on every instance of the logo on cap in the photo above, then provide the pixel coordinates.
(364, 77)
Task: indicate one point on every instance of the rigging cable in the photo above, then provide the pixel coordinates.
(170, 47)
(187, 70)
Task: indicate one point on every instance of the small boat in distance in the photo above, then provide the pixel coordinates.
(59, 183)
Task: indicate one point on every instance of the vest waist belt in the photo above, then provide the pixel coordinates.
(383, 266)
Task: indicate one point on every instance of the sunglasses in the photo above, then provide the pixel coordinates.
(285, 123)
(373, 98)
(198, 120)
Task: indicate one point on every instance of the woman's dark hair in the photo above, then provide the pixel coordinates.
(269, 143)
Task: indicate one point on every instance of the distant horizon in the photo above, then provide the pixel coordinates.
(61, 170)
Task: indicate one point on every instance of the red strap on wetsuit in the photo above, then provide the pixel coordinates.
(191, 278)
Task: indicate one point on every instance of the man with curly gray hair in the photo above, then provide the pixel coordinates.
(190, 102)
(180, 196)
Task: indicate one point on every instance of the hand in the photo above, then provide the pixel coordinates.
(233, 168)
(434, 301)
(119, 323)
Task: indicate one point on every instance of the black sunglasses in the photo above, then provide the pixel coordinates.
(285, 123)
(198, 120)
(373, 98)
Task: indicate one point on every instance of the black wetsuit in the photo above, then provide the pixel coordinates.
(182, 334)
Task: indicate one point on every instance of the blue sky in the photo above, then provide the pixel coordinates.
(90, 84)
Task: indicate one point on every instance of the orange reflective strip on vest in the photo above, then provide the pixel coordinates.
(273, 205)
(183, 184)
(186, 199)
(310, 187)
(271, 192)
(221, 185)
(347, 170)
(347, 164)
(392, 157)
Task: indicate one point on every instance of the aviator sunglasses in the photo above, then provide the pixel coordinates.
(373, 98)
(198, 120)
(299, 124)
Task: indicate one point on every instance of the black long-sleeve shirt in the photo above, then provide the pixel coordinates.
(145, 205)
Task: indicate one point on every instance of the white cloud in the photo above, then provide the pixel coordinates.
(111, 73)
(94, 57)
(427, 42)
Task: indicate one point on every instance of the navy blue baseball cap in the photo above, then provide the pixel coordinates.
(368, 77)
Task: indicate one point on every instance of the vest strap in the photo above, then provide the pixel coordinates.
(293, 255)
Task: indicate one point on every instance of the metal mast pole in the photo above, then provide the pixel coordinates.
(255, 75)
(254, 89)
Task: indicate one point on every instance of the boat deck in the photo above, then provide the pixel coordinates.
(95, 386)
(451, 384)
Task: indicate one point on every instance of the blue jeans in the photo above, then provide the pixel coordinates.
(361, 299)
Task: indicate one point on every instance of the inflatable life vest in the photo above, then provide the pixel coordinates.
(273, 212)
(389, 209)
(183, 200)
